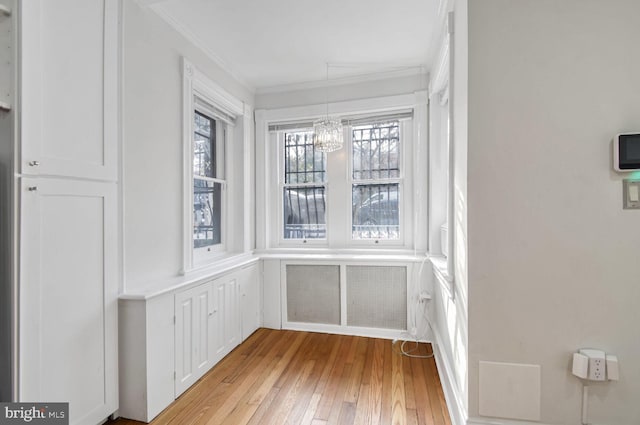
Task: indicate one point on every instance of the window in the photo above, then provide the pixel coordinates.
(304, 195)
(354, 197)
(208, 181)
(212, 215)
(375, 181)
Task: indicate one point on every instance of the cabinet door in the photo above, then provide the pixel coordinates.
(226, 331)
(250, 300)
(217, 326)
(193, 342)
(233, 329)
(68, 296)
(69, 71)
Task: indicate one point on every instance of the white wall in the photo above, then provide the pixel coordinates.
(553, 258)
(340, 90)
(152, 139)
(449, 307)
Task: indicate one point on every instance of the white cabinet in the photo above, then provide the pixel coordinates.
(194, 335)
(69, 74)
(227, 333)
(250, 299)
(68, 296)
(170, 339)
(67, 336)
(147, 358)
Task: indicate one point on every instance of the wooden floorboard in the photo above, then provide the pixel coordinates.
(302, 378)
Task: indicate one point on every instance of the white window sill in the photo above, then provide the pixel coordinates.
(193, 277)
(439, 263)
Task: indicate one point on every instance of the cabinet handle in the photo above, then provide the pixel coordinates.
(34, 163)
(32, 188)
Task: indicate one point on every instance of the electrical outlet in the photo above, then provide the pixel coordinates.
(597, 364)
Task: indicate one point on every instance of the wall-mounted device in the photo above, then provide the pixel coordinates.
(626, 152)
(595, 365)
(631, 194)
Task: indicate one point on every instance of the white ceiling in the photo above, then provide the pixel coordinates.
(267, 43)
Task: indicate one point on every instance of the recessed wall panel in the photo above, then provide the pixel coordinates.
(313, 294)
(377, 297)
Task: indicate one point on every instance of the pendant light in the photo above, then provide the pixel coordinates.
(327, 131)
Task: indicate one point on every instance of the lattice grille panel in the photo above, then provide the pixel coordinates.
(313, 294)
(377, 297)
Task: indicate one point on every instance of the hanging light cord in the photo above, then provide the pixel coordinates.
(326, 91)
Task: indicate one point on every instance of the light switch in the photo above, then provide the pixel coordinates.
(631, 194)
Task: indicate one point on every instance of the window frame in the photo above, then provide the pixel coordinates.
(202, 254)
(222, 107)
(281, 185)
(405, 130)
(338, 190)
(270, 121)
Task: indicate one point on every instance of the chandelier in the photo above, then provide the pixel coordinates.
(327, 134)
(327, 131)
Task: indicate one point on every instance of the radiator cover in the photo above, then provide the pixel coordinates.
(375, 296)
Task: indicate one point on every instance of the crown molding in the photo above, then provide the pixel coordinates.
(407, 71)
(183, 30)
(147, 3)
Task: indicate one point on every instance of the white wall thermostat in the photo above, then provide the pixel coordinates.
(626, 152)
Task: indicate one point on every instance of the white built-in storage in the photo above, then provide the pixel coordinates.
(227, 315)
(193, 334)
(170, 338)
(69, 88)
(66, 177)
(250, 300)
(368, 295)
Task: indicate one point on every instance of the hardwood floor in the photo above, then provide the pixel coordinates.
(288, 377)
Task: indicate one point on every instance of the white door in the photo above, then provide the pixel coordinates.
(68, 296)
(250, 300)
(69, 71)
(193, 347)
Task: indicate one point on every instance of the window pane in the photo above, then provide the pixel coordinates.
(304, 213)
(207, 213)
(376, 151)
(204, 144)
(302, 164)
(375, 213)
(203, 124)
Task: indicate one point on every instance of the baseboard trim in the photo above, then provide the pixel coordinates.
(455, 402)
(496, 421)
(350, 330)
